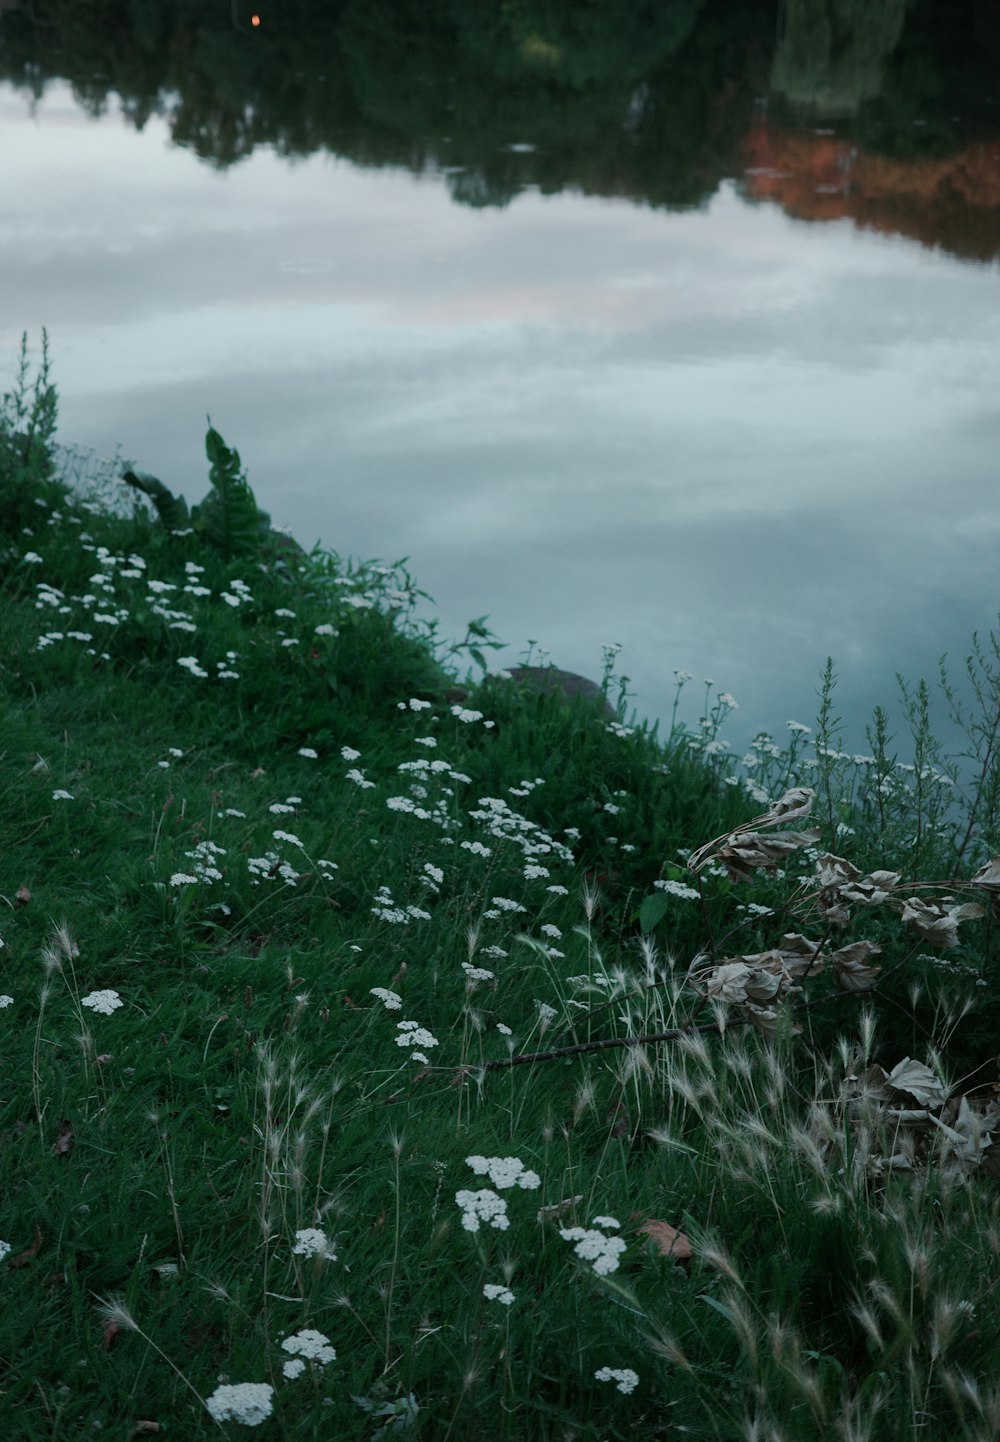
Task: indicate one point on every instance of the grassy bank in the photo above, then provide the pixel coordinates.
(382, 1063)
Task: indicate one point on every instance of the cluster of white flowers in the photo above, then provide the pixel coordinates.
(246, 1402)
(477, 973)
(389, 999)
(306, 1346)
(677, 888)
(313, 1242)
(104, 1002)
(5, 1002)
(494, 1293)
(505, 1172)
(5, 1250)
(411, 1033)
(503, 824)
(387, 910)
(309, 753)
(626, 1379)
(602, 1251)
(482, 1206)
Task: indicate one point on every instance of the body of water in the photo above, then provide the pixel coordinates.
(680, 333)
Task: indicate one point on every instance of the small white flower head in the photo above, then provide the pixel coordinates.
(389, 999)
(503, 1029)
(349, 753)
(325, 629)
(494, 1293)
(626, 1379)
(309, 753)
(183, 878)
(245, 1402)
(411, 1033)
(293, 1368)
(602, 1252)
(505, 1172)
(104, 1002)
(477, 973)
(62, 796)
(5, 1250)
(608, 1223)
(311, 1345)
(677, 888)
(482, 1206)
(5, 1002)
(312, 1242)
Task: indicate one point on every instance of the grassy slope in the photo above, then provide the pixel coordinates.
(251, 1085)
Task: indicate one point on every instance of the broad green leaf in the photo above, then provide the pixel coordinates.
(652, 911)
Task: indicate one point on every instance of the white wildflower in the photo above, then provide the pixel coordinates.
(246, 1402)
(104, 1002)
(312, 1242)
(626, 1379)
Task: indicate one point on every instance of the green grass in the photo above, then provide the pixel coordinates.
(159, 1160)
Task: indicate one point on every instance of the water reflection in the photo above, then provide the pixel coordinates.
(736, 441)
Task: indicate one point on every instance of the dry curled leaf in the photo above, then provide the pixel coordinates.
(988, 875)
(917, 1081)
(63, 1144)
(936, 921)
(669, 1242)
(744, 853)
(28, 1255)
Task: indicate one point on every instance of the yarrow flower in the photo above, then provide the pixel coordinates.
(104, 1002)
(307, 1345)
(505, 1172)
(482, 1206)
(602, 1252)
(389, 999)
(309, 753)
(313, 1242)
(626, 1379)
(412, 1034)
(494, 1293)
(5, 1002)
(246, 1402)
(677, 888)
(62, 796)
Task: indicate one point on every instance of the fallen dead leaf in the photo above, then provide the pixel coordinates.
(29, 1253)
(143, 1429)
(63, 1144)
(22, 896)
(669, 1242)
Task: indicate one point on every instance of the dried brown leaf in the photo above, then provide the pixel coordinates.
(989, 875)
(28, 1255)
(916, 1080)
(850, 966)
(63, 1144)
(937, 921)
(742, 854)
(833, 872)
(669, 1242)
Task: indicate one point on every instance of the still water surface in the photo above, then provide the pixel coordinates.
(737, 429)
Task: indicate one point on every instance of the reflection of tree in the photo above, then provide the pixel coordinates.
(831, 53)
(650, 99)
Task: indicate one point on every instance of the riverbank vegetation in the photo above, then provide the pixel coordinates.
(382, 1060)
